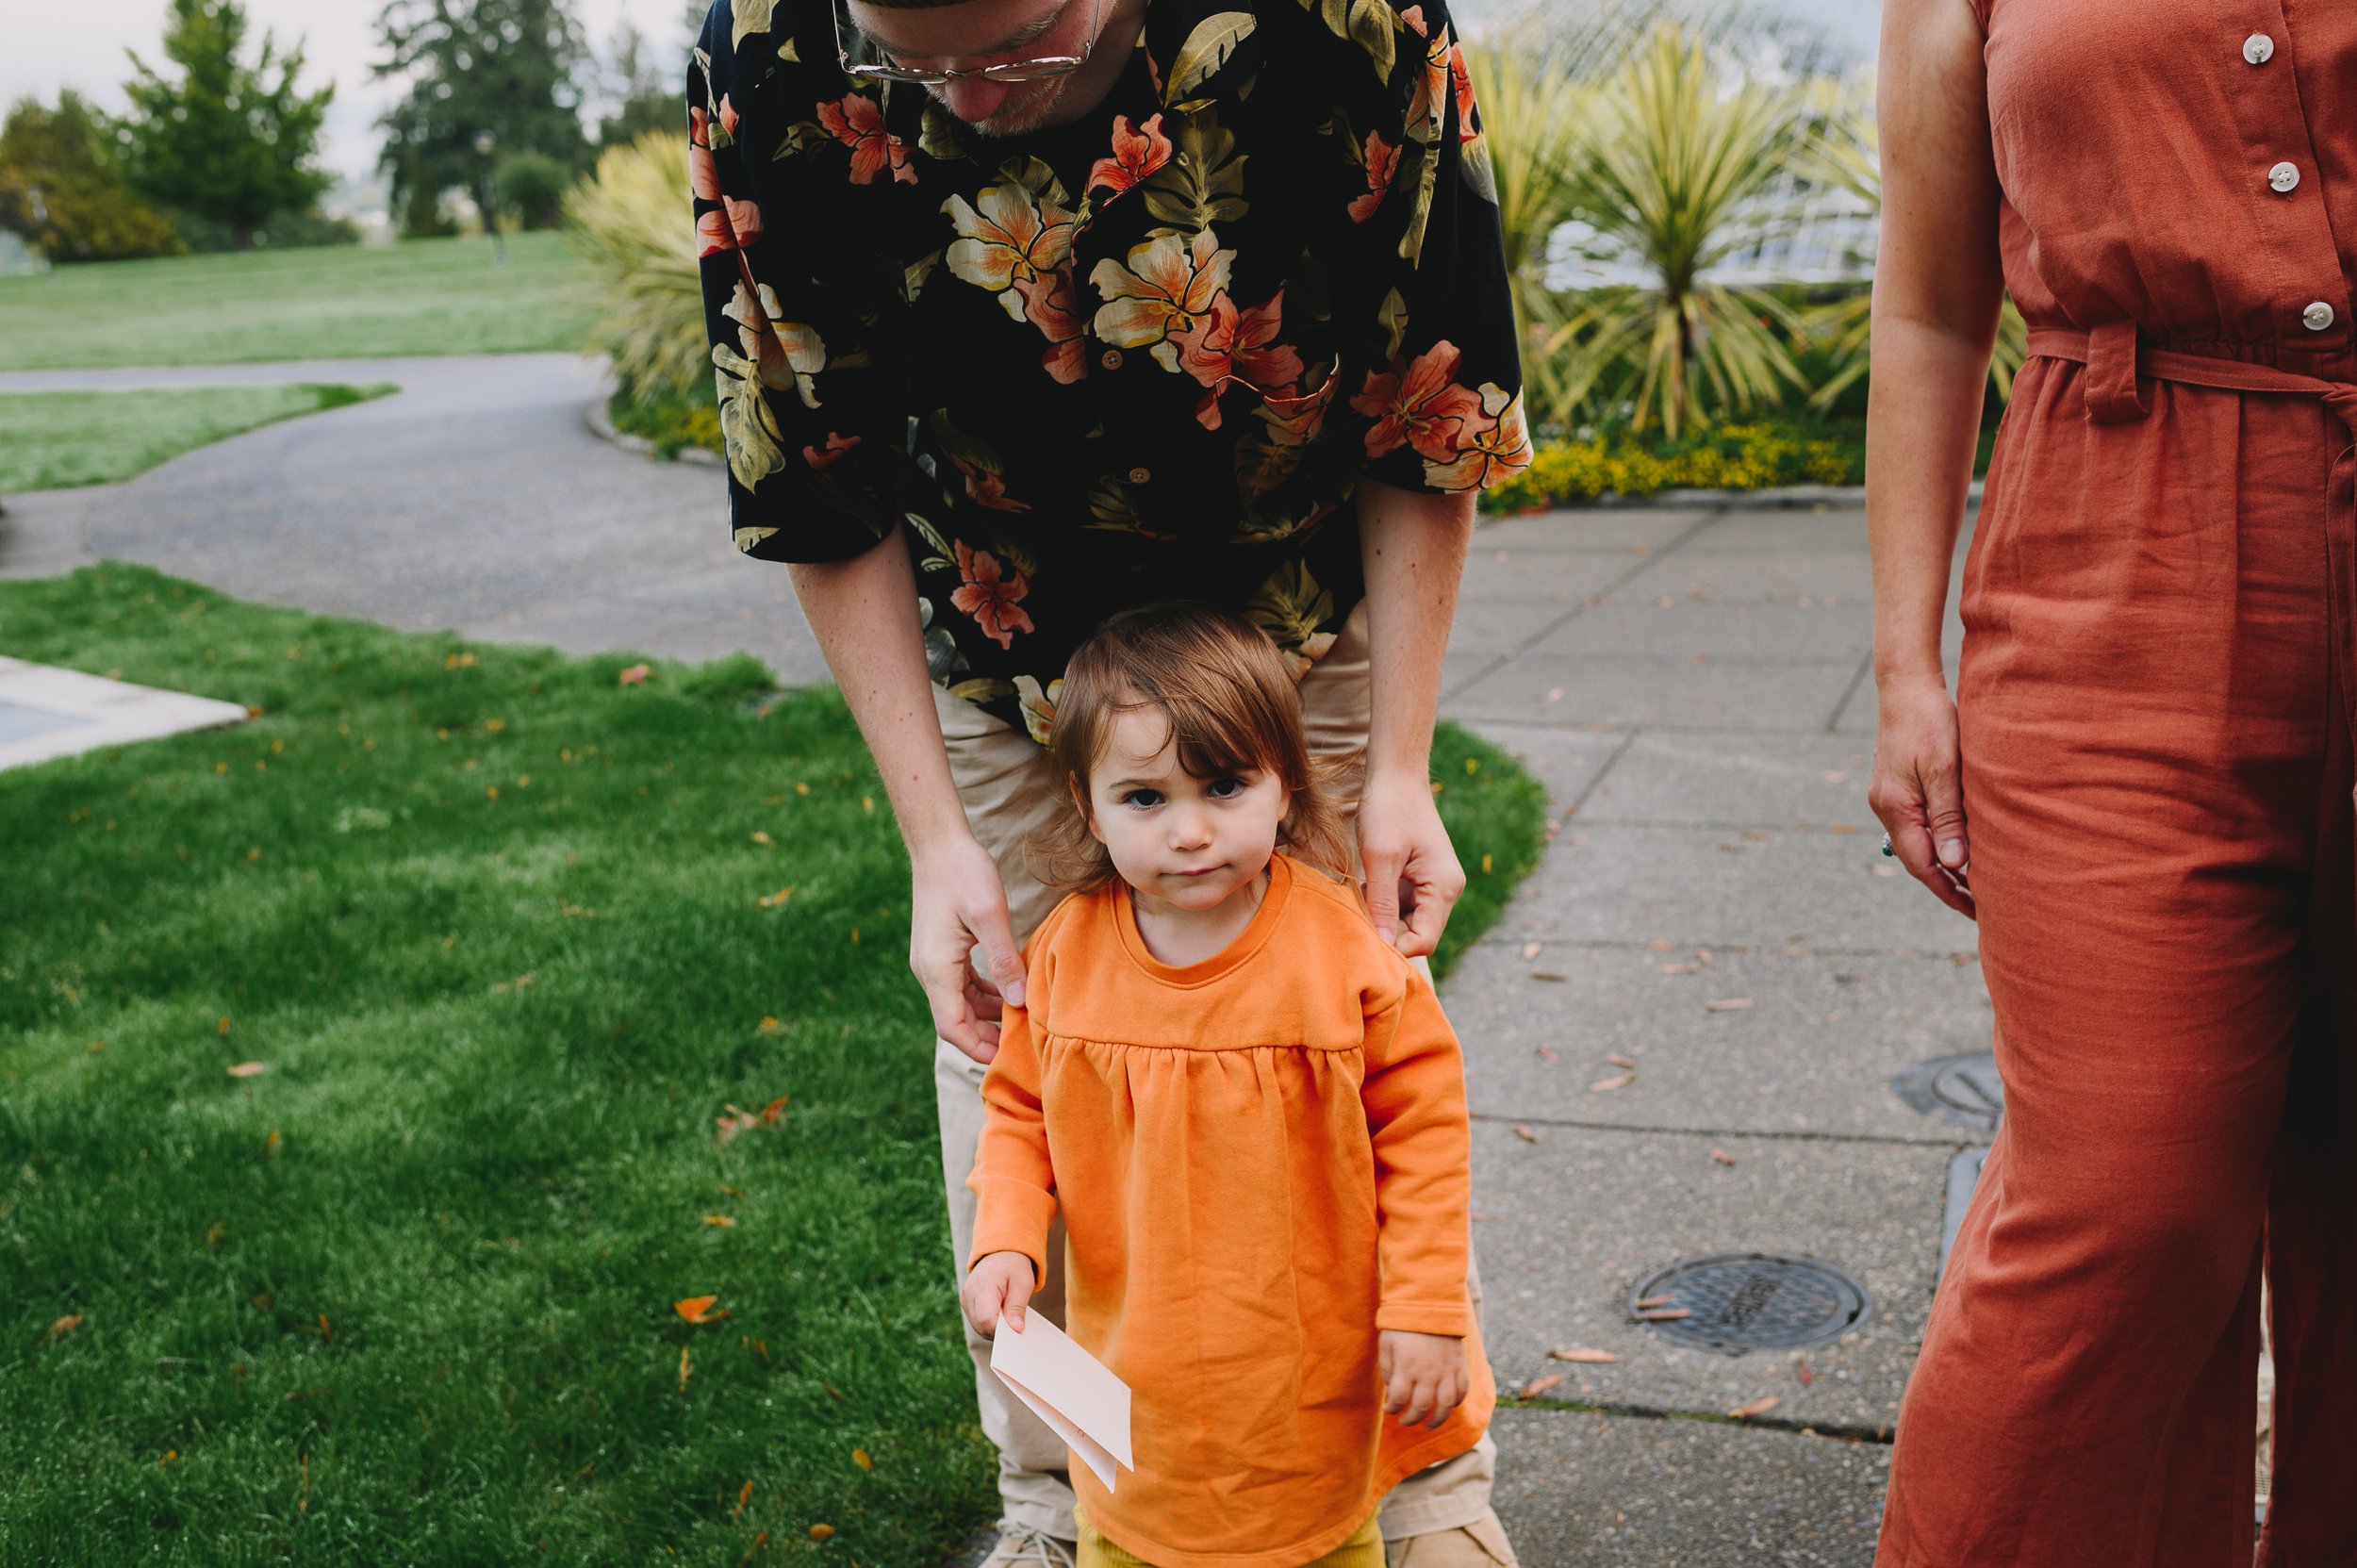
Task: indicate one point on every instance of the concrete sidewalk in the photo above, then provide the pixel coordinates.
(1693, 687)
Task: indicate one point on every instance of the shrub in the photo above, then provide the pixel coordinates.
(63, 189)
(1749, 456)
(629, 219)
(531, 186)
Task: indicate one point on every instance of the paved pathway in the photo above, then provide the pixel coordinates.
(1693, 687)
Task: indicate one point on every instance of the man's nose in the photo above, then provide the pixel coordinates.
(973, 99)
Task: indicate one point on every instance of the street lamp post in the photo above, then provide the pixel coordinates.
(483, 142)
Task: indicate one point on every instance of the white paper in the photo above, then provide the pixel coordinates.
(1077, 1394)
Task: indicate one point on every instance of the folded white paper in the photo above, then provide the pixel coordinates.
(1077, 1394)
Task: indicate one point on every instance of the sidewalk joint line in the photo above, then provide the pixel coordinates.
(1831, 1431)
(1961, 957)
(1804, 1135)
(1840, 709)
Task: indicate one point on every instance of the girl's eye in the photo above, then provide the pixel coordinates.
(1226, 789)
(1143, 797)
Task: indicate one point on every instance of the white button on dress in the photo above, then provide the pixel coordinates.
(2258, 48)
(2316, 316)
(2283, 175)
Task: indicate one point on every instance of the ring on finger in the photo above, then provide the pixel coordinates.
(1887, 849)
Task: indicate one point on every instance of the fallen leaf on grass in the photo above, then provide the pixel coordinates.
(722, 1220)
(731, 1123)
(775, 901)
(217, 1233)
(822, 1532)
(1606, 1085)
(1727, 1004)
(65, 1325)
(1586, 1357)
(635, 675)
(744, 1495)
(775, 1109)
(170, 1454)
(249, 1069)
(761, 836)
(1750, 1407)
(698, 1309)
(222, 1028)
(682, 1369)
(1524, 1133)
(273, 1144)
(325, 1332)
(1538, 1386)
(769, 1025)
(1723, 1156)
(861, 1458)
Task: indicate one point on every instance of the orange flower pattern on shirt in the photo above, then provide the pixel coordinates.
(1382, 164)
(838, 444)
(992, 594)
(1007, 236)
(1226, 343)
(732, 225)
(857, 121)
(1136, 153)
(1490, 449)
(1048, 306)
(1419, 407)
(1163, 293)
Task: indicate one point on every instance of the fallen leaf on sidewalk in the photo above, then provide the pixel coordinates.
(1606, 1085)
(1548, 974)
(1801, 1370)
(1530, 950)
(1723, 1156)
(1727, 1004)
(1662, 947)
(1586, 1357)
(1665, 1315)
(1524, 1133)
(1620, 1061)
(1538, 1386)
(1547, 1053)
(1681, 968)
(1654, 1301)
(1750, 1407)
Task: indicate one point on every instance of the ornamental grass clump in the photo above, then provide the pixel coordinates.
(629, 220)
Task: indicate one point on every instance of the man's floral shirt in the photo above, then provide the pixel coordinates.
(1144, 356)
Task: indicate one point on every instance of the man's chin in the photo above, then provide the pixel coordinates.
(1020, 120)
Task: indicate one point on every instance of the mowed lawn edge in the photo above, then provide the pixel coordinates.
(328, 302)
(508, 938)
(61, 439)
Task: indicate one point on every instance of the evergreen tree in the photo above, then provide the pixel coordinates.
(63, 191)
(229, 142)
(490, 79)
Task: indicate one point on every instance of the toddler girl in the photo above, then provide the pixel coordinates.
(1251, 1113)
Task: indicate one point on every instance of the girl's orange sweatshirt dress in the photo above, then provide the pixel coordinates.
(1261, 1160)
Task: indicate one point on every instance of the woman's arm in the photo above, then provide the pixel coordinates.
(1413, 549)
(1938, 289)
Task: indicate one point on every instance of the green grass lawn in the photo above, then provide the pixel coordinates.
(420, 296)
(505, 935)
(49, 440)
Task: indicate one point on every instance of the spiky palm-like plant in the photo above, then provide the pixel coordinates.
(629, 220)
(1680, 169)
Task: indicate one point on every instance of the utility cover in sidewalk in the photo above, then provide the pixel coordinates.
(46, 712)
(1738, 1302)
(1962, 1090)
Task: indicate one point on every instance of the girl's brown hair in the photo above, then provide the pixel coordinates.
(1232, 706)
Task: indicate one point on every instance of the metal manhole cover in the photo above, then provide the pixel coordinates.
(1962, 1090)
(1743, 1301)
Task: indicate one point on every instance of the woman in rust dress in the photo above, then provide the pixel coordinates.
(2143, 786)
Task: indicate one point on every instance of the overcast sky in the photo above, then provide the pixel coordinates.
(80, 43)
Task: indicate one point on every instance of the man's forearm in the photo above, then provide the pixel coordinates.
(863, 613)
(1413, 548)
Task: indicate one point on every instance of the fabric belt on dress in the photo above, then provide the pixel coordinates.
(2114, 358)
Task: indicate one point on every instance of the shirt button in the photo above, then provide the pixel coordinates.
(2316, 316)
(1139, 476)
(1111, 359)
(2258, 48)
(2284, 176)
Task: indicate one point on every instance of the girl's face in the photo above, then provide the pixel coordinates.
(1186, 841)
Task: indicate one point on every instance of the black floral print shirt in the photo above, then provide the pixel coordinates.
(1146, 355)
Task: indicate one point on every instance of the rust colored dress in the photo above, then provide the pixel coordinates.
(2156, 698)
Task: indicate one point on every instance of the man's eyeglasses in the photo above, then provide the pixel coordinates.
(1039, 68)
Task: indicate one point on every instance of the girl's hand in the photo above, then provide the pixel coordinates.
(1917, 788)
(1424, 1374)
(1408, 861)
(997, 1287)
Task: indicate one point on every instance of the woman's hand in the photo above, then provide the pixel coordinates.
(999, 1286)
(959, 903)
(1424, 1374)
(1410, 866)
(1918, 789)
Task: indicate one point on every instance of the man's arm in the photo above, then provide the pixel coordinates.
(1413, 548)
(863, 613)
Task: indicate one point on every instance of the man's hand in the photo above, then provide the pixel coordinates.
(958, 904)
(1412, 868)
(1000, 1286)
(1424, 1374)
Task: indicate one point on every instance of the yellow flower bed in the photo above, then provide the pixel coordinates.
(1754, 457)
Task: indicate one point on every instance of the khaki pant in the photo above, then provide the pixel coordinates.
(1010, 790)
